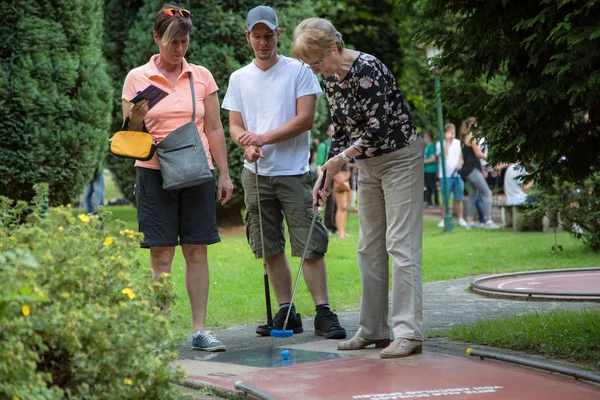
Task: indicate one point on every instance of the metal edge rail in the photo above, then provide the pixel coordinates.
(577, 374)
(252, 391)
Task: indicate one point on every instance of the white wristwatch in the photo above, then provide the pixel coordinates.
(345, 157)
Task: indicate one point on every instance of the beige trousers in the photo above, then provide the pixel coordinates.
(390, 209)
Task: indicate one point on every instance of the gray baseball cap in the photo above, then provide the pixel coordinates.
(262, 15)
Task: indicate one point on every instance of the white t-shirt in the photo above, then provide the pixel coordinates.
(267, 100)
(515, 196)
(452, 159)
(483, 147)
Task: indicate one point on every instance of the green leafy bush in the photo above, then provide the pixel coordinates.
(73, 322)
(576, 207)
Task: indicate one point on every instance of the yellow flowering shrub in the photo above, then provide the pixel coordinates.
(79, 316)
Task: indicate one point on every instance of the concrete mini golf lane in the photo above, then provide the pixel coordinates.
(317, 371)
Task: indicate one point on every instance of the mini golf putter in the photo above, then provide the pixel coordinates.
(262, 246)
(283, 333)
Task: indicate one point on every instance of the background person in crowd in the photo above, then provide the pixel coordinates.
(330, 206)
(430, 161)
(185, 216)
(454, 183)
(342, 192)
(462, 131)
(514, 189)
(473, 174)
(389, 153)
(93, 196)
(272, 103)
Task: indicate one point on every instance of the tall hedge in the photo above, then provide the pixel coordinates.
(118, 17)
(217, 42)
(55, 97)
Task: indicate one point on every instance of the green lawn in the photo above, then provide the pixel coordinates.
(237, 292)
(111, 191)
(571, 335)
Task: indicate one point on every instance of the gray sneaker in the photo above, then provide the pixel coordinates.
(207, 341)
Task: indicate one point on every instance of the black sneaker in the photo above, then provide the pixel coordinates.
(294, 322)
(328, 325)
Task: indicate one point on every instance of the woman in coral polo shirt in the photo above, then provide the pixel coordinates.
(187, 216)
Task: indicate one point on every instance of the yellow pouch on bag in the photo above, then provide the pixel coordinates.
(133, 144)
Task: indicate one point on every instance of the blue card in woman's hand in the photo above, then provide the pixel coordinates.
(152, 94)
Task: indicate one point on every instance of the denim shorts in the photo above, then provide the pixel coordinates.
(456, 187)
(171, 217)
(282, 196)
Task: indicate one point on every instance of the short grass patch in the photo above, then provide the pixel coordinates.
(236, 277)
(570, 335)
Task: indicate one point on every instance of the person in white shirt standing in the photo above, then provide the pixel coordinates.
(514, 189)
(272, 103)
(455, 185)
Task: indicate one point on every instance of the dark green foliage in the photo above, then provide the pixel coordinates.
(574, 206)
(54, 96)
(217, 42)
(372, 27)
(541, 63)
(386, 30)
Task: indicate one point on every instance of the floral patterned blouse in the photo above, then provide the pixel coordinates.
(368, 110)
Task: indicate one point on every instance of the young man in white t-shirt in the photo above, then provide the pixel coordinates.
(272, 103)
(455, 185)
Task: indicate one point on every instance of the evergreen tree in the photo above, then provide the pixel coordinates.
(54, 95)
(118, 17)
(540, 61)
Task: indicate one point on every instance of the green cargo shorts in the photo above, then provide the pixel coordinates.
(282, 196)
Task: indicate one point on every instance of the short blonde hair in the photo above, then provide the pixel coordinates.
(314, 37)
(168, 28)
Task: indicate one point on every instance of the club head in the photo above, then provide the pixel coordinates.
(282, 334)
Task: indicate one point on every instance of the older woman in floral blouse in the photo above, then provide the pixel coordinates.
(373, 125)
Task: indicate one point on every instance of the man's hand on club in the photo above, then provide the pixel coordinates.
(253, 153)
(251, 139)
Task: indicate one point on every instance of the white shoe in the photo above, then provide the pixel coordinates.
(491, 225)
(402, 348)
(462, 222)
(441, 224)
(473, 225)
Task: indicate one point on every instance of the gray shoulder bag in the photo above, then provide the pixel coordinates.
(181, 155)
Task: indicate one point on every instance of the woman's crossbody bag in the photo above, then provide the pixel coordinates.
(181, 155)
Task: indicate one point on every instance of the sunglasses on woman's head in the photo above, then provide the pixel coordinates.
(172, 11)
